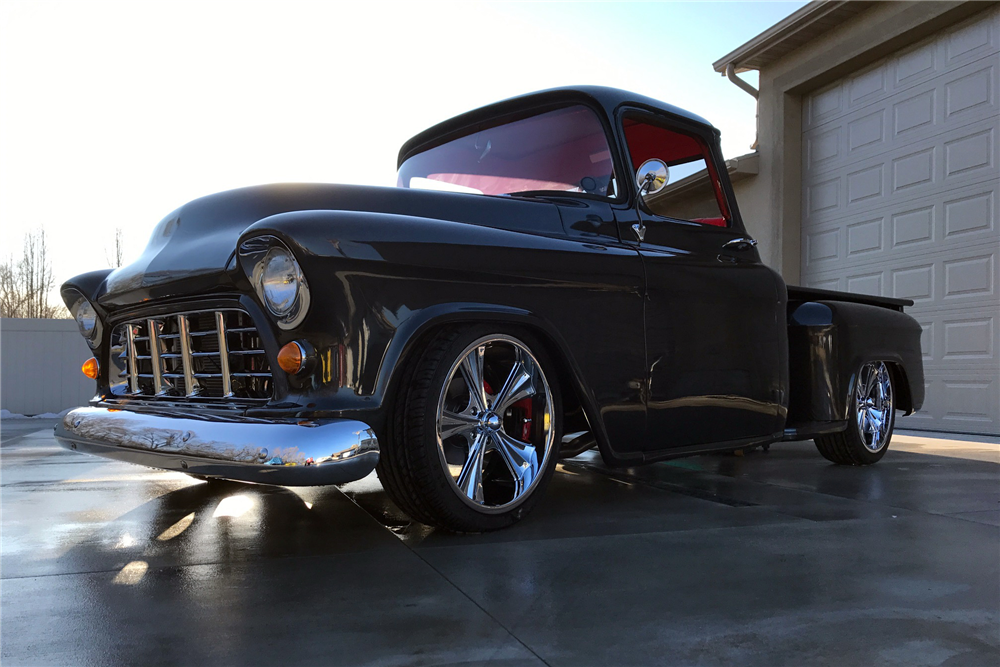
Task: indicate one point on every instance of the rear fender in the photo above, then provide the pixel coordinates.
(829, 341)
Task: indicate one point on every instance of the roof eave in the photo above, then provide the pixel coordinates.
(755, 52)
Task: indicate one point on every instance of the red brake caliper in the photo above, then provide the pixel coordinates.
(527, 407)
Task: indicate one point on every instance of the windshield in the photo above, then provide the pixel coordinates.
(564, 150)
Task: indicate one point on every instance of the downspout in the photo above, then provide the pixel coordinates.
(750, 90)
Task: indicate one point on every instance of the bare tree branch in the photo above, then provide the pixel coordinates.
(114, 258)
(25, 283)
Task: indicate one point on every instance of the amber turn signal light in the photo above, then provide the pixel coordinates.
(291, 358)
(91, 368)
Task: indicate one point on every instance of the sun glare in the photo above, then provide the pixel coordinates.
(234, 506)
(132, 573)
(176, 529)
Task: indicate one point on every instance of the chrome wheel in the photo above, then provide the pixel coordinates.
(494, 424)
(873, 405)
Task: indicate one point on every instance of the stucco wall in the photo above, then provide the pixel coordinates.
(40, 366)
(756, 213)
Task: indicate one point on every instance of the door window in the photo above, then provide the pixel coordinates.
(693, 191)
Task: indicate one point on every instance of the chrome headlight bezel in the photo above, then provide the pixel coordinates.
(280, 281)
(87, 320)
(263, 253)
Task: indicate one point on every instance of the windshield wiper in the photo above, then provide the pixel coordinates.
(536, 193)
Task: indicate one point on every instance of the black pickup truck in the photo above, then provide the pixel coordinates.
(555, 272)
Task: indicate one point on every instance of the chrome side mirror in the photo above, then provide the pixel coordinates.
(652, 176)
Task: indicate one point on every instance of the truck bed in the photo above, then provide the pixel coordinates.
(796, 293)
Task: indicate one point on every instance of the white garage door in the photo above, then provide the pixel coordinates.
(901, 188)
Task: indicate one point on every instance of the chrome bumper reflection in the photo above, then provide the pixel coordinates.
(282, 453)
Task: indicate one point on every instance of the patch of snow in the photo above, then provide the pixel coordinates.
(51, 415)
(7, 414)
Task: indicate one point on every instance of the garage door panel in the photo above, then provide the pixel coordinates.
(865, 238)
(822, 106)
(970, 214)
(865, 184)
(973, 41)
(966, 339)
(861, 241)
(923, 111)
(913, 282)
(970, 276)
(963, 213)
(916, 64)
(913, 171)
(968, 404)
(970, 92)
(915, 102)
(867, 86)
(915, 227)
(956, 405)
(915, 113)
(959, 276)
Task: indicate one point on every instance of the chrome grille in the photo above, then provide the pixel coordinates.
(201, 354)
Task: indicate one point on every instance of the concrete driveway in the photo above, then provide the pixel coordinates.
(765, 559)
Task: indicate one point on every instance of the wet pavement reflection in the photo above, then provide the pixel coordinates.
(761, 559)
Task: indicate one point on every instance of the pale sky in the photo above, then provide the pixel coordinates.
(113, 114)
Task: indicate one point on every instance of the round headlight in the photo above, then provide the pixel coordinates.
(279, 282)
(86, 319)
(277, 278)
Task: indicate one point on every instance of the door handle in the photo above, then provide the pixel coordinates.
(740, 244)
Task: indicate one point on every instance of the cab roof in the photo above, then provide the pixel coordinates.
(608, 99)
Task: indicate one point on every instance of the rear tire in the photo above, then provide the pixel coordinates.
(872, 419)
(467, 458)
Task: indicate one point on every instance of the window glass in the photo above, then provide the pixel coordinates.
(693, 191)
(564, 150)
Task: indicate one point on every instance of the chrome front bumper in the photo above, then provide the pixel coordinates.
(313, 453)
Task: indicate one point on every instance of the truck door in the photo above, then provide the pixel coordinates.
(604, 325)
(714, 318)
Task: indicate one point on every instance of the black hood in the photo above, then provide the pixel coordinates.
(192, 250)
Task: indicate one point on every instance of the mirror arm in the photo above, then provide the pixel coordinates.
(640, 227)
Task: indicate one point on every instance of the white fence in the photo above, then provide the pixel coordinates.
(40, 366)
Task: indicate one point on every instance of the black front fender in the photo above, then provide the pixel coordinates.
(379, 282)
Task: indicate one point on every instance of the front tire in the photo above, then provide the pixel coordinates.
(475, 432)
(872, 418)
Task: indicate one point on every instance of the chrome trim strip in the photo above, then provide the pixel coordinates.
(154, 353)
(220, 329)
(190, 389)
(285, 453)
(133, 373)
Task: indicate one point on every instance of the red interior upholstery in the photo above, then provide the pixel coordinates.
(717, 222)
(647, 141)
